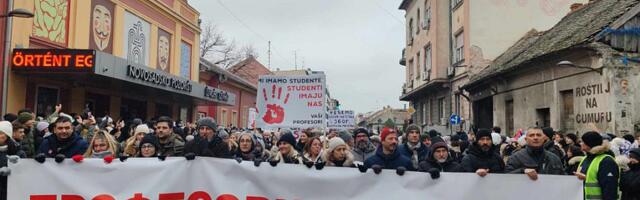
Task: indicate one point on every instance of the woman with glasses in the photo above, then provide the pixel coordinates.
(148, 147)
(247, 150)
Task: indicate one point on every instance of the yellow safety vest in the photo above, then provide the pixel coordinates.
(592, 189)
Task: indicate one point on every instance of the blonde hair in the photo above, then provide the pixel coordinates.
(107, 138)
(130, 148)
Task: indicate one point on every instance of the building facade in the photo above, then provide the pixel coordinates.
(449, 41)
(145, 60)
(375, 121)
(575, 77)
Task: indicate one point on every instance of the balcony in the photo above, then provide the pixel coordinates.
(403, 61)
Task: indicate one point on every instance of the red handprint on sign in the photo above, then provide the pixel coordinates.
(275, 111)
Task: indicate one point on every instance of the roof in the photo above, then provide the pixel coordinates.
(290, 72)
(578, 27)
(214, 68)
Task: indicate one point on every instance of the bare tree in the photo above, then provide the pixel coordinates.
(217, 49)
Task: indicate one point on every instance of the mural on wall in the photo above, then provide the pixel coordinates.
(185, 60)
(101, 25)
(50, 21)
(164, 51)
(136, 38)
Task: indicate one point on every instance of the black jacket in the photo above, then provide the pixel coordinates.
(423, 151)
(630, 181)
(608, 172)
(553, 148)
(478, 159)
(543, 161)
(214, 148)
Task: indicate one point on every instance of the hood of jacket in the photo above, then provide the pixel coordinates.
(575, 160)
(348, 162)
(600, 149)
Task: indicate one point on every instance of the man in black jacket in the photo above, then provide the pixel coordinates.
(630, 180)
(534, 159)
(440, 159)
(482, 156)
(207, 143)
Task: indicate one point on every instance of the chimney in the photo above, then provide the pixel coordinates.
(575, 7)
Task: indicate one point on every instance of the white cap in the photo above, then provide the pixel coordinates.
(6, 128)
(142, 128)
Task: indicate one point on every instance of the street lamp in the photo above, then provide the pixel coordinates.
(21, 13)
(566, 63)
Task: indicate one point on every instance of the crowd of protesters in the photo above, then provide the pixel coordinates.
(608, 164)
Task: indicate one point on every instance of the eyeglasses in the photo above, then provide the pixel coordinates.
(147, 146)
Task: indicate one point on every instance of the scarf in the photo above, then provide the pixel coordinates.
(414, 153)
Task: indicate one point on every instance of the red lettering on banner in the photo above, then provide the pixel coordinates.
(199, 195)
(103, 197)
(138, 196)
(227, 197)
(256, 198)
(71, 197)
(43, 197)
(172, 196)
(314, 103)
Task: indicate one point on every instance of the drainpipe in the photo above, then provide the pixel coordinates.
(7, 50)
(450, 11)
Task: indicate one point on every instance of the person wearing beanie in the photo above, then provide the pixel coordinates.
(42, 131)
(363, 147)
(7, 144)
(551, 145)
(388, 156)
(347, 138)
(132, 144)
(148, 147)
(63, 141)
(598, 169)
(440, 159)
(338, 153)
(209, 142)
(413, 148)
(433, 133)
(286, 153)
(482, 156)
(534, 159)
(630, 180)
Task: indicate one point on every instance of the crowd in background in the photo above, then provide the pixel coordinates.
(530, 152)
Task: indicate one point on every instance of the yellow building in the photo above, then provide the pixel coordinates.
(144, 64)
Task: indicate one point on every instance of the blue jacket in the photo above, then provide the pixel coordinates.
(423, 152)
(75, 145)
(392, 161)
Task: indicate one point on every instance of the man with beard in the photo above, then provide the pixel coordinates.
(534, 159)
(482, 156)
(598, 169)
(440, 159)
(414, 149)
(207, 143)
(363, 148)
(388, 156)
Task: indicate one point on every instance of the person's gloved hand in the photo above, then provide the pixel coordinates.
(78, 158)
(362, 168)
(400, 170)
(59, 158)
(13, 159)
(257, 162)
(108, 159)
(190, 156)
(274, 162)
(320, 165)
(162, 158)
(40, 158)
(376, 169)
(239, 160)
(309, 164)
(435, 173)
(123, 158)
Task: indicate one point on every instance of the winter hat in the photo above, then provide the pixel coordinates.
(629, 138)
(433, 133)
(592, 139)
(635, 153)
(334, 143)
(483, 132)
(142, 128)
(149, 139)
(385, 132)
(412, 127)
(6, 128)
(24, 117)
(360, 130)
(345, 136)
(437, 145)
(208, 122)
(437, 139)
(573, 137)
(288, 138)
(548, 131)
(41, 126)
(223, 134)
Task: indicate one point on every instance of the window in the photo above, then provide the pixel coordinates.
(458, 55)
(411, 69)
(234, 118)
(425, 112)
(418, 22)
(427, 63)
(410, 33)
(457, 104)
(455, 4)
(432, 109)
(426, 22)
(418, 66)
(223, 118)
(185, 60)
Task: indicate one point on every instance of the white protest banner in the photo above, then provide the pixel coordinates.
(341, 119)
(251, 122)
(291, 101)
(225, 179)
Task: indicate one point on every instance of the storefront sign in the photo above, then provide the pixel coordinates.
(216, 94)
(53, 60)
(158, 78)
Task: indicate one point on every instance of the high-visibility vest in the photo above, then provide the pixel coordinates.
(592, 189)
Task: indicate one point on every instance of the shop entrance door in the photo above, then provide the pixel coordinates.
(46, 100)
(130, 109)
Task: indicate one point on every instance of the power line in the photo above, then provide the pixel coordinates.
(388, 12)
(250, 29)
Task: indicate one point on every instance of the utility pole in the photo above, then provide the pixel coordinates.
(269, 56)
(295, 59)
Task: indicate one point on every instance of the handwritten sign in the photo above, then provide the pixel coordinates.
(341, 119)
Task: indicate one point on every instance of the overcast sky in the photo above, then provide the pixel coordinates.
(357, 43)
